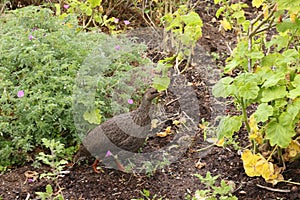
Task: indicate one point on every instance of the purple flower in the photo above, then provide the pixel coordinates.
(116, 20)
(30, 37)
(108, 153)
(118, 47)
(130, 101)
(66, 6)
(126, 22)
(20, 93)
(30, 180)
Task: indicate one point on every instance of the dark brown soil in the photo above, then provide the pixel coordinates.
(174, 181)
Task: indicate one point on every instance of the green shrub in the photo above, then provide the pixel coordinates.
(40, 56)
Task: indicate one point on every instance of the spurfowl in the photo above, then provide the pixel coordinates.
(125, 132)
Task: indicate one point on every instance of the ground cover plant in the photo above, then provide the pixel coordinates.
(40, 57)
(47, 55)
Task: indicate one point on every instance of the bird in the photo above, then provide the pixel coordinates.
(126, 132)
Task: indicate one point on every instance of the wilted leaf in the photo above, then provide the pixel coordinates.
(226, 25)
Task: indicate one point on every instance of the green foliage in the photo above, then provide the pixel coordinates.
(54, 160)
(48, 194)
(186, 28)
(146, 194)
(89, 12)
(269, 73)
(40, 56)
(212, 191)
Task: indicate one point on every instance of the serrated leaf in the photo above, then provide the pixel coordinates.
(263, 112)
(229, 125)
(93, 117)
(273, 80)
(249, 90)
(161, 83)
(273, 93)
(222, 88)
(278, 134)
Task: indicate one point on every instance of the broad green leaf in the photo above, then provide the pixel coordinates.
(228, 125)
(257, 3)
(294, 108)
(231, 65)
(192, 19)
(286, 119)
(270, 59)
(255, 54)
(273, 79)
(222, 88)
(263, 112)
(95, 3)
(278, 134)
(93, 116)
(296, 82)
(161, 83)
(249, 90)
(273, 93)
(294, 93)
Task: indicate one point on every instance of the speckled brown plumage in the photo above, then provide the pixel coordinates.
(126, 131)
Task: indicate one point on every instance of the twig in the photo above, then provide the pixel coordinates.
(273, 189)
(170, 102)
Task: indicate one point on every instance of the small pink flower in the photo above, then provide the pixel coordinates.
(30, 180)
(108, 153)
(116, 20)
(20, 93)
(126, 22)
(118, 47)
(130, 101)
(66, 6)
(30, 37)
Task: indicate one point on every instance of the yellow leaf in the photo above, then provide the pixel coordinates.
(220, 142)
(162, 134)
(293, 17)
(226, 25)
(202, 126)
(249, 161)
(176, 122)
(292, 150)
(265, 11)
(168, 130)
(257, 3)
(254, 131)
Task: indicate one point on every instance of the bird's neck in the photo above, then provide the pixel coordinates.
(141, 115)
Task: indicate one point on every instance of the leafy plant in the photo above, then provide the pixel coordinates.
(55, 159)
(146, 194)
(268, 81)
(185, 27)
(48, 194)
(40, 57)
(212, 191)
(89, 12)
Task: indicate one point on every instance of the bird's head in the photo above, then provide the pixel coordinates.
(150, 94)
